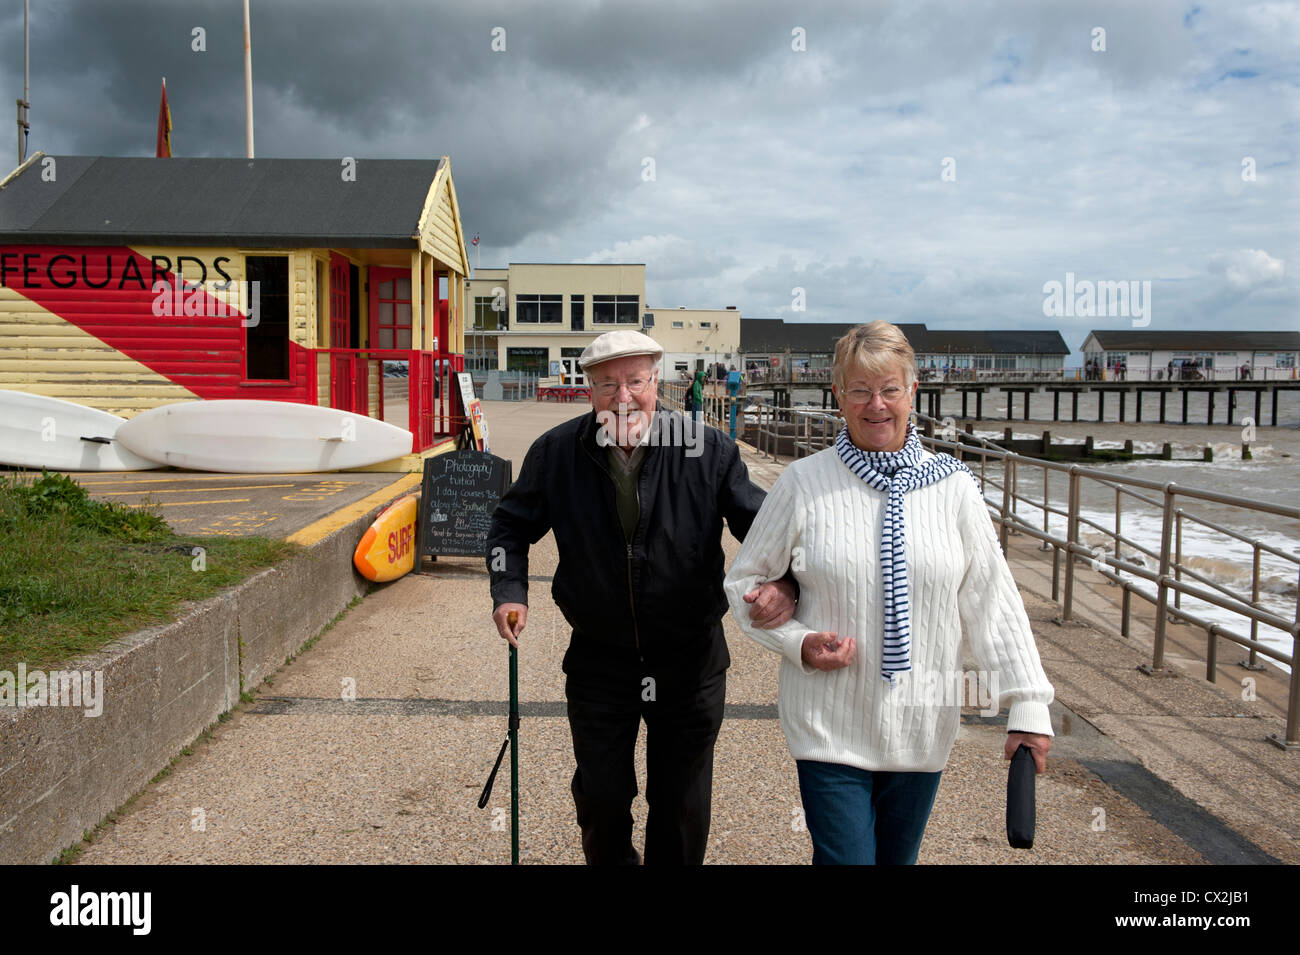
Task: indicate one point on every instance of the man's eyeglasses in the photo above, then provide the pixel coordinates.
(861, 396)
(635, 386)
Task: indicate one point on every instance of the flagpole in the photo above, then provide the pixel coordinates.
(248, 83)
(24, 104)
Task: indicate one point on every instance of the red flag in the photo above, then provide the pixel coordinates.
(164, 124)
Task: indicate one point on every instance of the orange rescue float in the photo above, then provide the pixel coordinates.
(387, 549)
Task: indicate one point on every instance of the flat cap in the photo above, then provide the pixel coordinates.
(620, 344)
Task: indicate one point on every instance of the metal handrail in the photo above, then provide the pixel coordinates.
(1167, 579)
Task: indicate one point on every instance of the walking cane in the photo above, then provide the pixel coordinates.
(512, 738)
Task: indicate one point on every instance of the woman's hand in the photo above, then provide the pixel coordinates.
(1038, 745)
(826, 651)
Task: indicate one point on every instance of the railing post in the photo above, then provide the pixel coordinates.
(1162, 592)
(1015, 486)
(1178, 556)
(1119, 504)
(1071, 541)
(1253, 662)
(1293, 704)
(1056, 573)
(1007, 465)
(1047, 473)
(776, 437)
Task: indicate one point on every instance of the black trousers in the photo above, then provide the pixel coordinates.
(682, 717)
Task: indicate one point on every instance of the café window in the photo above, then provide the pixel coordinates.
(266, 343)
(533, 361)
(615, 309)
(486, 318)
(577, 313)
(539, 309)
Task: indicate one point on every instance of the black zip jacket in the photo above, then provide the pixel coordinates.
(653, 605)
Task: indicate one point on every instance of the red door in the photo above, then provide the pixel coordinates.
(390, 308)
(340, 298)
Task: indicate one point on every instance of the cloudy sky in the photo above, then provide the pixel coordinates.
(912, 161)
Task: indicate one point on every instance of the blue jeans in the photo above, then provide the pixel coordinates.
(859, 817)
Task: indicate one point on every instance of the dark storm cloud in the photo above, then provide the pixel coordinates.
(695, 138)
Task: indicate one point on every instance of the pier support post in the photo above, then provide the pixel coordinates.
(1273, 420)
(1163, 393)
(1137, 406)
(1184, 406)
(1258, 395)
(1010, 397)
(1056, 405)
(1209, 407)
(979, 405)
(1101, 406)
(1026, 405)
(1122, 396)
(963, 404)
(1074, 411)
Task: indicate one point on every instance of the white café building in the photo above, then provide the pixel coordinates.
(1147, 355)
(537, 317)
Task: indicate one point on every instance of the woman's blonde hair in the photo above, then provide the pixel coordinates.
(876, 348)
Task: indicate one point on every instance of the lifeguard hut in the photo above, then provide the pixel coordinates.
(128, 283)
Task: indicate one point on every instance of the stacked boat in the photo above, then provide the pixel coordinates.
(240, 436)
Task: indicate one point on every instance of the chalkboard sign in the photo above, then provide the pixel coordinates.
(459, 493)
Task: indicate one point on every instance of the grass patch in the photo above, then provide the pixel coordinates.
(76, 573)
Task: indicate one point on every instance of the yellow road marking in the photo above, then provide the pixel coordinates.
(190, 490)
(318, 531)
(180, 477)
(233, 500)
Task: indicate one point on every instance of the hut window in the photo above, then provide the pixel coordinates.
(266, 344)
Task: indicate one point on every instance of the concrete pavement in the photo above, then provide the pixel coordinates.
(1142, 771)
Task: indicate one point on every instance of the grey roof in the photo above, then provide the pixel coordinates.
(774, 334)
(1192, 340)
(251, 202)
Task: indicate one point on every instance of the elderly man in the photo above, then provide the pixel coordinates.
(636, 496)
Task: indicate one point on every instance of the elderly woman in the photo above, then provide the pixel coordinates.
(895, 556)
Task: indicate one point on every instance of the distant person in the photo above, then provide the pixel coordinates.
(637, 517)
(734, 382)
(1170, 369)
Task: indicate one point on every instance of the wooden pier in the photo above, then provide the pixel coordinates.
(930, 393)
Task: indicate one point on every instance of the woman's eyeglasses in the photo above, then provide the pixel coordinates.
(861, 396)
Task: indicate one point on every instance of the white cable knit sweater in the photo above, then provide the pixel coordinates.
(823, 521)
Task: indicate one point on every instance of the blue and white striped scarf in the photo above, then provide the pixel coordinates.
(896, 472)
